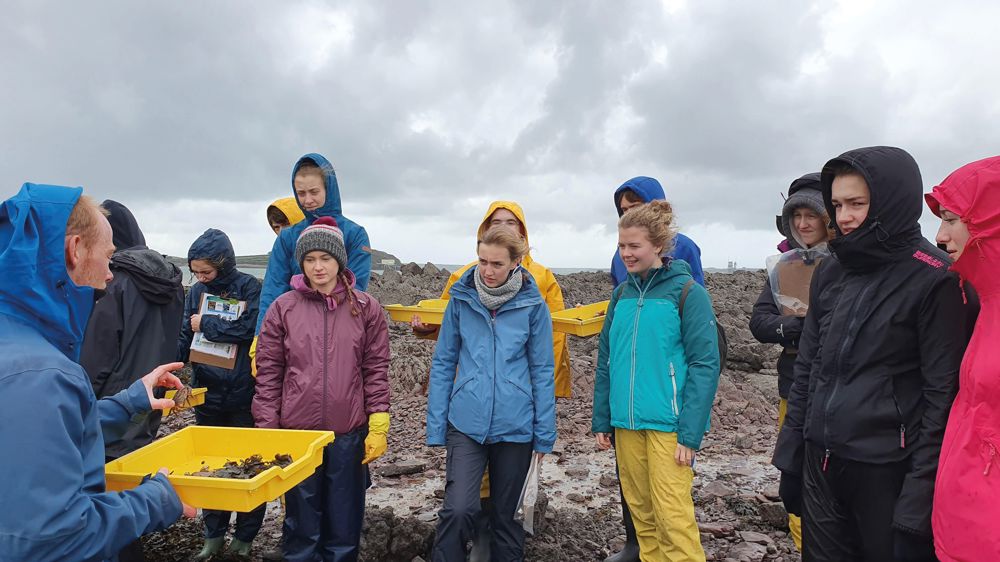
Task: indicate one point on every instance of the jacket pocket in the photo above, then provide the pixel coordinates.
(459, 387)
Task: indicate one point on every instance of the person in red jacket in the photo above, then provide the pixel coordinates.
(323, 363)
(966, 514)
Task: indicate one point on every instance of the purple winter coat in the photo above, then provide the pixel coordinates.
(318, 365)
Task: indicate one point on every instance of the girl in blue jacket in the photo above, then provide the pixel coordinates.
(230, 391)
(491, 396)
(657, 373)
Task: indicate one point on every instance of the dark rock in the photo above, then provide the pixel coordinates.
(773, 514)
(609, 481)
(431, 269)
(411, 269)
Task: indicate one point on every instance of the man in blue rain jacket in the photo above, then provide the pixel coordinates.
(55, 247)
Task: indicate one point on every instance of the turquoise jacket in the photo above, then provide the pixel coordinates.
(656, 370)
(492, 375)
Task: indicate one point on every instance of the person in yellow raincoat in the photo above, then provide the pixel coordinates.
(510, 214)
(283, 213)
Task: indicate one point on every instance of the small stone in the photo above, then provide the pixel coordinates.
(439, 493)
(755, 537)
(717, 489)
(402, 467)
(748, 551)
(771, 493)
(743, 441)
(428, 516)
(609, 481)
(716, 529)
(576, 497)
(578, 472)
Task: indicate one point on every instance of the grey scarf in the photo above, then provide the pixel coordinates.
(495, 297)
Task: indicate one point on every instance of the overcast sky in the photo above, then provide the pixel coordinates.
(192, 114)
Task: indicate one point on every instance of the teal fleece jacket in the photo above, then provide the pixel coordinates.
(655, 369)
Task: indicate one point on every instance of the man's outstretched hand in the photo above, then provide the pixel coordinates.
(162, 376)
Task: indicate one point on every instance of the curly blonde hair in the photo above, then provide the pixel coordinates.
(657, 217)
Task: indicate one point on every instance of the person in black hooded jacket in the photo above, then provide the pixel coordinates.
(230, 391)
(134, 325)
(876, 372)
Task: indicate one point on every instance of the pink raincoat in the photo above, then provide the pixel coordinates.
(966, 516)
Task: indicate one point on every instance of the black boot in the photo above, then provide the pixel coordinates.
(481, 539)
(630, 553)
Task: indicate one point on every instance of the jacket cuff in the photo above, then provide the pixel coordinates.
(138, 399)
(542, 447)
(170, 505)
(435, 437)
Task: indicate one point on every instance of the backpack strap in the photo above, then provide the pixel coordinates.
(684, 296)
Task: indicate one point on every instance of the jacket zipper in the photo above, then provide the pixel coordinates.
(326, 354)
(635, 336)
(673, 383)
(989, 462)
(839, 364)
(902, 426)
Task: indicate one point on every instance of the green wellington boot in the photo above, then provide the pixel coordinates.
(211, 548)
(239, 548)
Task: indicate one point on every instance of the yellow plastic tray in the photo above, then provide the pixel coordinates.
(430, 311)
(197, 398)
(580, 321)
(186, 450)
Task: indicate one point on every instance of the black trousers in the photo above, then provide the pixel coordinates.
(217, 522)
(325, 513)
(467, 461)
(848, 508)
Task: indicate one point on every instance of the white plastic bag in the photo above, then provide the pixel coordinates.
(529, 494)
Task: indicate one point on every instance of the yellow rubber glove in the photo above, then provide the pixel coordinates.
(253, 357)
(376, 444)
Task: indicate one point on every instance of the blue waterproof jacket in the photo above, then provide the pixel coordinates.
(657, 369)
(229, 390)
(281, 265)
(684, 248)
(52, 428)
(492, 376)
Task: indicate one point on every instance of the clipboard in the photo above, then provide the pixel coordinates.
(207, 352)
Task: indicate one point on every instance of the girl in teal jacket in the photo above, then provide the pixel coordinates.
(657, 373)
